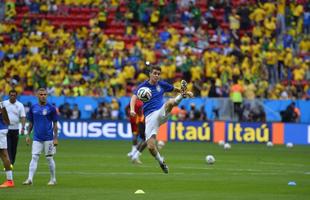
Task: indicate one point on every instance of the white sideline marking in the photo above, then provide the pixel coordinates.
(101, 173)
(231, 172)
(282, 164)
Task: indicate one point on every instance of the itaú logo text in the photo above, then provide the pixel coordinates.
(96, 129)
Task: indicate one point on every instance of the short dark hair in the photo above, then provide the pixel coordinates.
(12, 91)
(155, 67)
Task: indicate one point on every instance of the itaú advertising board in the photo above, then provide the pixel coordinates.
(190, 131)
(88, 129)
(235, 132)
(248, 132)
(217, 131)
(196, 131)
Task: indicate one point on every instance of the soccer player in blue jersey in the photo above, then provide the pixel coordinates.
(4, 122)
(43, 119)
(156, 111)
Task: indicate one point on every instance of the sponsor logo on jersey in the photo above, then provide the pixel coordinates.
(158, 88)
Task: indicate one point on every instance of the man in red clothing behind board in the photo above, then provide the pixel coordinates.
(138, 128)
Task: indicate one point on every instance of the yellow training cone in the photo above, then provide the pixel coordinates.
(139, 192)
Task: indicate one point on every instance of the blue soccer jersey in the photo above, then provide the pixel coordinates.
(3, 126)
(42, 118)
(157, 100)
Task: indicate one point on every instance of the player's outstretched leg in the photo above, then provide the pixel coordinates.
(151, 145)
(176, 101)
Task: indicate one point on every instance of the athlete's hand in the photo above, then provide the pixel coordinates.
(28, 140)
(55, 142)
(190, 94)
(133, 113)
(22, 131)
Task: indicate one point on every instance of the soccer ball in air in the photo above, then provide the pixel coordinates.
(144, 94)
(210, 159)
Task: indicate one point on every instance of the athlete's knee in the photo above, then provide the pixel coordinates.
(49, 158)
(35, 157)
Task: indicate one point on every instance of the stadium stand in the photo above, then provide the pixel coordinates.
(97, 48)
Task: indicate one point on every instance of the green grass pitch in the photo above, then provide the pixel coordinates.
(88, 169)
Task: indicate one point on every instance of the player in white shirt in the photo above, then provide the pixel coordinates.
(156, 111)
(16, 112)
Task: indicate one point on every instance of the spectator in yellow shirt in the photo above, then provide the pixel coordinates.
(271, 61)
(288, 62)
(298, 73)
(281, 4)
(281, 66)
(258, 15)
(269, 8)
(249, 90)
(196, 72)
(234, 23)
(304, 45)
(270, 27)
(257, 32)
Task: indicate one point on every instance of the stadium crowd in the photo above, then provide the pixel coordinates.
(257, 48)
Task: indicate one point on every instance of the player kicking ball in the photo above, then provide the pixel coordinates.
(156, 111)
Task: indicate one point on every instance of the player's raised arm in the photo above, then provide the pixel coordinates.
(132, 105)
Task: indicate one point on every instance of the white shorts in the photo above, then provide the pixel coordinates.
(3, 140)
(47, 146)
(154, 120)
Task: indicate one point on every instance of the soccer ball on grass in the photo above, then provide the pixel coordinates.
(227, 146)
(210, 159)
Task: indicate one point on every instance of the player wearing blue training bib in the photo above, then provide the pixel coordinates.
(156, 111)
(157, 100)
(42, 118)
(43, 121)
